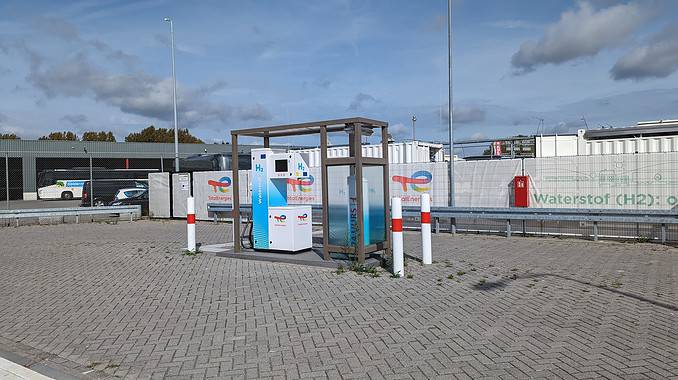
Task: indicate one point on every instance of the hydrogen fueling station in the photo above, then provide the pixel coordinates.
(354, 211)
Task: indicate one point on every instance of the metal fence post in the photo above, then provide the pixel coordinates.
(91, 183)
(595, 231)
(162, 164)
(663, 237)
(7, 178)
(508, 228)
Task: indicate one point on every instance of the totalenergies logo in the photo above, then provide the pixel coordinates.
(421, 177)
(303, 217)
(222, 184)
(280, 218)
(304, 183)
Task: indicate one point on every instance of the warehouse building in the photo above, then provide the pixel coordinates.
(645, 137)
(26, 158)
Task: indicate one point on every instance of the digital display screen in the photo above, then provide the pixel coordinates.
(280, 166)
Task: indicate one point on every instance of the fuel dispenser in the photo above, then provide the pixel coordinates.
(275, 225)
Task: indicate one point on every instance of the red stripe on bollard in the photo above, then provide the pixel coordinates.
(426, 217)
(190, 218)
(397, 225)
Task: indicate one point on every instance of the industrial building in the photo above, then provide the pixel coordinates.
(645, 137)
(27, 158)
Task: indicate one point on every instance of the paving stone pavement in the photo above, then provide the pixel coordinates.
(121, 300)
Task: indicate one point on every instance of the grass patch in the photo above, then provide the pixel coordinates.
(192, 253)
(363, 269)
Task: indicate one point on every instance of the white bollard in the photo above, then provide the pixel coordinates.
(426, 229)
(397, 236)
(190, 223)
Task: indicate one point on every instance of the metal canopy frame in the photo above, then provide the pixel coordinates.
(354, 127)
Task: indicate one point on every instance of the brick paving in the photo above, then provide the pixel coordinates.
(121, 301)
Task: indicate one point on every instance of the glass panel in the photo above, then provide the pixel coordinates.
(342, 205)
(337, 205)
(376, 229)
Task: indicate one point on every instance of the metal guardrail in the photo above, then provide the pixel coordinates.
(132, 210)
(661, 218)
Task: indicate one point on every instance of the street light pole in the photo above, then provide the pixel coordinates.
(450, 111)
(414, 133)
(174, 95)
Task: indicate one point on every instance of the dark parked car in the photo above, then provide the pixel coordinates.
(141, 200)
(105, 190)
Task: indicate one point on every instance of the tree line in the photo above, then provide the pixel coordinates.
(149, 134)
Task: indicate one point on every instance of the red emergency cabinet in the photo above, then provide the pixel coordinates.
(520, 191)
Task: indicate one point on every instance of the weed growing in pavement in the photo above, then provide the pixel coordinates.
(192, 253)
(461, 273)
(395, 275)
(450, 276)
(340, 269)
(482, 281)
(410, 276)
(616, 284)
(360, 269)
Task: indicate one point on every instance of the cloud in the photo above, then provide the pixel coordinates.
(658, 58)
(131, 90)
(400, 131)
(57, 27)
(76, 119)
(464, 114)
(64, 30)
(360, 101)
(580, 33)
(3, 118)
(138, 93)
(253, 112)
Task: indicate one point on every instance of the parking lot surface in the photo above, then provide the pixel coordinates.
(120, 300)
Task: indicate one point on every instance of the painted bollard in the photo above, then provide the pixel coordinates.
(397, 237)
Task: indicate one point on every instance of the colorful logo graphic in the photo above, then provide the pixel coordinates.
(280, 218)
(421, 177)
(303, 217)
(304, 183)
(222, 184)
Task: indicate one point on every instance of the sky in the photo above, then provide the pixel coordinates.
(105, 65)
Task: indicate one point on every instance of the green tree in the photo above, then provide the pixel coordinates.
(9, 136)
(162, 135)
(63, 136)
(98, 136)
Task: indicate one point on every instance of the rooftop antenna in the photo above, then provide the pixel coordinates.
(585, 123)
